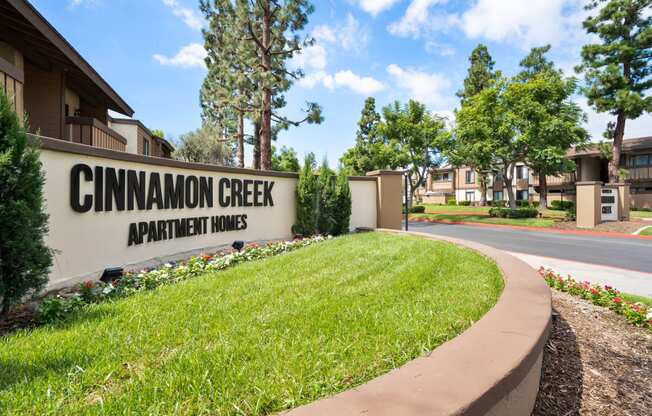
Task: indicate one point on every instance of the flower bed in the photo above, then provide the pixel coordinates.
(636, 313)
(59, 307)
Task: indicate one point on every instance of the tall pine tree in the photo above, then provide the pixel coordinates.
(617, 69)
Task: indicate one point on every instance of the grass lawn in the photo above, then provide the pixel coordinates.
(430, 208)
(640, 214)
(647, 231)
(637, 298)
(528, 222)
(254, 339)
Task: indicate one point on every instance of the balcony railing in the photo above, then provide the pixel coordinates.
(441, 186)
(92, 132)
(640, 173)
(565, 179)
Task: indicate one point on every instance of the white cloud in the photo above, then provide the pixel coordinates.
(349, 36)
(314, 57)
(437, 48)
(186, 14)
(525, 23)
(88, 3)
(190, 56)
(418, 19)
(343, 79)
(428, 88)
(374, 7)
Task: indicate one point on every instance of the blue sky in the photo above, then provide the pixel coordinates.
(151, 52)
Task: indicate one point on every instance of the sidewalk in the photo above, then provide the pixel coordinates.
(628, 281)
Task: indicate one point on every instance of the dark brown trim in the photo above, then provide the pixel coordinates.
(91, 121)
(80, 149)
(46, 29)
(11, 70)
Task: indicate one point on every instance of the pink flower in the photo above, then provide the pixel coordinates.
(607, 287)
(617, 300)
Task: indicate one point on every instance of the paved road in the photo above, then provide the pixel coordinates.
(626, 253)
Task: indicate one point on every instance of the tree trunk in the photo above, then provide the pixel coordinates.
(4, 311)
(543, 191)
(483, 190)
(240, 152)
(508, 175)
(619, 133)
(256, 140)
(266, 127)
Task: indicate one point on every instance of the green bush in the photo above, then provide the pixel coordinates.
(307, 199)
(561, 205)
(464, 203)
(342, 204)
(452, 202)
(24, 258)
(522, 204)
(417, 209)
(327, 193)
(513, 213)
(499, 204)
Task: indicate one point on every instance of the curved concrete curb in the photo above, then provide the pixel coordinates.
(493, 368)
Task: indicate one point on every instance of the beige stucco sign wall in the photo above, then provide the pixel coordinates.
(95, 223)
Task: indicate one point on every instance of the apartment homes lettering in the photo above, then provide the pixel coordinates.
(461, 183)
(62, 95)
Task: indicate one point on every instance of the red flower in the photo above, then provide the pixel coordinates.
(88, 284)
(617, 300)
(594, 291)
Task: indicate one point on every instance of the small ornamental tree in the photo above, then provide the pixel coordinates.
(24, 257)
(327, 194)
(307, 199)
(342, 211)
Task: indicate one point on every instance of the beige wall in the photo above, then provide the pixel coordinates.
(129, 132)
(641, 200)
(87, 243)
(72, 100)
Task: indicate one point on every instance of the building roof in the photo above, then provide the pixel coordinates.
(25, 28)
(629, 145)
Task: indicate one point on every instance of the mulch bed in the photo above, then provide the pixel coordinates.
(19, 318)
(594, 363)
(627, 227)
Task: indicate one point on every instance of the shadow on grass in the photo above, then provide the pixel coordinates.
(560, 390)
(14, 371)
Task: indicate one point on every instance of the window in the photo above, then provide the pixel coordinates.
(469, 176)
(443, 177)
(469, 196)
(521, 195)
(521, 172)
(145, 147)
(498, 195)
(641, 160)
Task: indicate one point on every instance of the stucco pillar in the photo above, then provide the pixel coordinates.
(388, 198)
(588, 204)
(624, 200)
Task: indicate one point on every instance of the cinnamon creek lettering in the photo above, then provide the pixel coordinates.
(129, 190)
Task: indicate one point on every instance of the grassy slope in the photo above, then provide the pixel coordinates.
(647, 231)
(254, 339)
(640, 214)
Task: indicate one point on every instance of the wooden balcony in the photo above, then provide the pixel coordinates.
(92, 132)
(441, 186)
(565, 179)
(643, 173)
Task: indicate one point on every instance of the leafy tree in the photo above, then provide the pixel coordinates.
(327, 199)
(466, 152)
(370, 151)
(205, 145)
(342, 210)
(307, 199)
(248, 45)
(24, 258)
(617, 68)
(286, 160)
(548, 120)
(415, 139)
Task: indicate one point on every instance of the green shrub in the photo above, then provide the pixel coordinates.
(24, 258)
(464, 203)
(327, 193)
(418, 209)
(307, 199)
(561, 205)
(522, 204)
(571, 214)
(499, 204)
(452, 202)
(534, 204)
(513, 213)
(342, 204)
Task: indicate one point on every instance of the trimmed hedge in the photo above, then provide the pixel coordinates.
(416, 209)
(452, 201)
(513, 213)
(561, 205)
(464, 203)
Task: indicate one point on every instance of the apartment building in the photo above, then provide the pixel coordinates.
(461, 184)
(62, 96)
